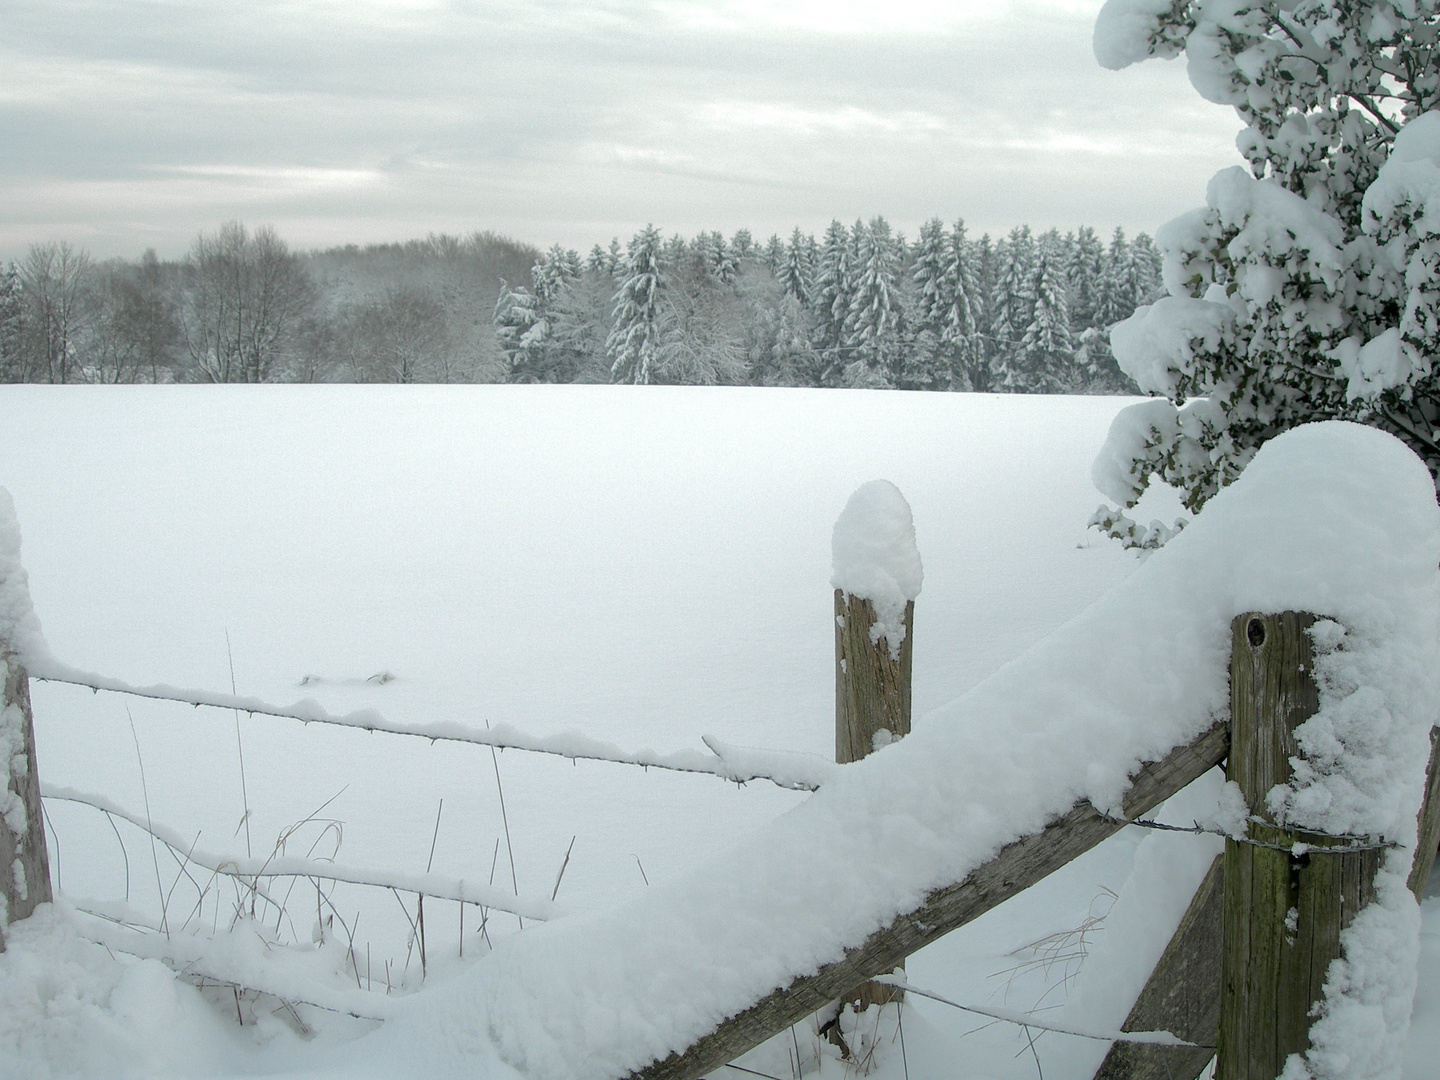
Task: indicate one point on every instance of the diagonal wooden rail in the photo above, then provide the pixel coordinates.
(1018, 866)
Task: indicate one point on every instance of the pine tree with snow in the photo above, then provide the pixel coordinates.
(927, 275)
(742, 246)
(797, 268)
(520, 329)
(774, 254)
(1146, 267)
(960, 322)
(720, 260)
(1011, 305)
(1116, 298)
(1087, 258)
(12, 368)
(831, 290)
(1306, 287)
(872, 325)
(634, 337)
(559, 267)
(1046, 355)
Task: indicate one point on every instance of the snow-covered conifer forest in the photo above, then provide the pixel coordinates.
(861, 306)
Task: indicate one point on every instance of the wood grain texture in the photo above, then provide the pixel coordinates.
(872, 688)
(24, 861)
(1182, 996)
(1429, 822)
(1283, 913)
(1017, 866)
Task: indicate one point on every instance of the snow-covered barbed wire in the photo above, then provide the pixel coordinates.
(248, 966)
(1299, 847)
(253, 868)
(787, 769)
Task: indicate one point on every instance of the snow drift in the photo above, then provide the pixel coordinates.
(1333, 518)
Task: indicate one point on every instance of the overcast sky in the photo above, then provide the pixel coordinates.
(137, 123)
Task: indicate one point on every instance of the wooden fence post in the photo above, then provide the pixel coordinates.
(1428, 823)
(1182, 996)
(872, 694)
(872, 686)
(24, 861)
(877, 577)
(1283, 913)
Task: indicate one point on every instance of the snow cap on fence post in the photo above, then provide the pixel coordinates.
(875, 557)
(19, 627)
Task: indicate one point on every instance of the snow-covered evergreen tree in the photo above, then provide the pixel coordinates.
(1087, 257)
(1011, 305)
(775, 254)
(1046, 354)
(927, 275)
(1305, 288)
(634, 337)
(831, 290)
(12, 367)
(1116, 298)
(742, 244)
(872, 326)
(1149, 270)
(521, 330)
(559, 267)
(797, 268)
(719, 258)
(960, 321)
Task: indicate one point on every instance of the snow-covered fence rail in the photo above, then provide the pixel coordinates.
(1018, 866)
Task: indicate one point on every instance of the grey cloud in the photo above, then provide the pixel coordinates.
(580, 119)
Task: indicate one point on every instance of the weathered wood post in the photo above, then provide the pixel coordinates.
(1182, 996)
(1428, 824)
(24, 861)
(1283, 913)
(877, 574)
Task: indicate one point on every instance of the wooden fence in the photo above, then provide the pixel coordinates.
(1236, 979)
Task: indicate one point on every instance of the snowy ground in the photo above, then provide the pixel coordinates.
(646, 566)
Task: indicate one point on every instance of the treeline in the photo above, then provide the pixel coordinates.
(242, 307)
(860, 307)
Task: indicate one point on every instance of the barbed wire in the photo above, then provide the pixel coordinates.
(1299, 847)
(791, 770)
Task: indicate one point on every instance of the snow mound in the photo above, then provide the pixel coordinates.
(1332, 518)
(875, 557)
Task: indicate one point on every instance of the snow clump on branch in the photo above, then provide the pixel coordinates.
(1308, 286)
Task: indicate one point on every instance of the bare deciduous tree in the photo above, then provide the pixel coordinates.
(245, 297)
(133, 329)
(52, 279)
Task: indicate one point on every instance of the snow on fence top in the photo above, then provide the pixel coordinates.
(1333, 518)
(875, 558)
(19, 626)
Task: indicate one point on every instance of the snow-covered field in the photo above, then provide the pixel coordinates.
(644, 566)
